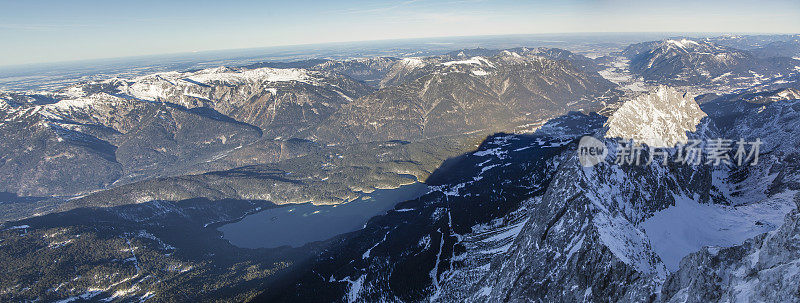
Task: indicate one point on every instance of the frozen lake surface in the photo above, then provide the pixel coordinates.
(298, 224)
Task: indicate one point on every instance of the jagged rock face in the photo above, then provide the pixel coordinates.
(465, 95)
(575, 247)
(585, 242)
(763, 269)
(598, 233)
(697, 62)
(629, 202)
(659, 119)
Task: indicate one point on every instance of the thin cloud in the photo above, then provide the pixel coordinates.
(40, 27)
(379, 9)
(451, 17)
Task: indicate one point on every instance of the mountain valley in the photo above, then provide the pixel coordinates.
(131, 189)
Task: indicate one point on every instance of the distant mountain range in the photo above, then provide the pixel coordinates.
(119, 131)
(459, 93)
(685, 62)
(120, 189)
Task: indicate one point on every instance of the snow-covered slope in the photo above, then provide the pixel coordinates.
(763, 269)
(659, 119)
(283, 102)
(617, 233)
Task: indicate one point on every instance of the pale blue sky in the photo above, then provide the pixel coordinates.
(35, 31)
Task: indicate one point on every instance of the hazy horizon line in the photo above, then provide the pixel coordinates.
(188, 52)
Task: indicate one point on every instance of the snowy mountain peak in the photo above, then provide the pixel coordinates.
(658, 119)
(478, 60)
(412, 62)
(266, 74)
(683, 43)
(688, 45)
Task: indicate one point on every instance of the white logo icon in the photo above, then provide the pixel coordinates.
(591, 151)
